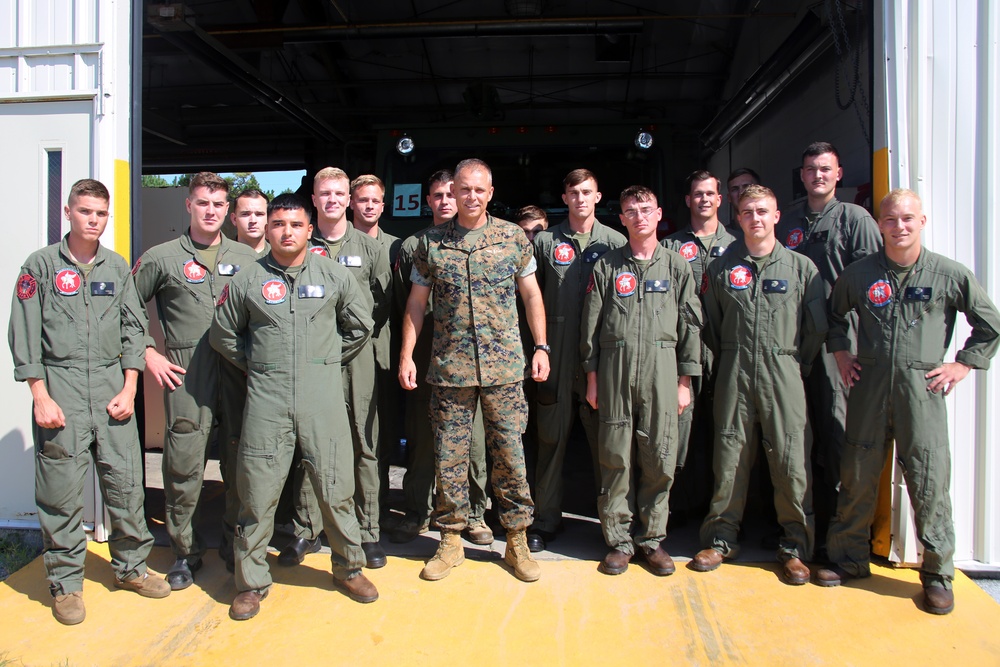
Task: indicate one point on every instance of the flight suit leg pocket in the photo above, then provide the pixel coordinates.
(259, 480)
(118, 472)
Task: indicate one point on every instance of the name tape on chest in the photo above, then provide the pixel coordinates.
(774, 286)
(717, 251)
(879, 293)
(918, 293)
(740, 277)
(312, 291)
(102, 289)
(591, 256)
(657, 286)
(352, 261)
(67, 281)
(227, 269)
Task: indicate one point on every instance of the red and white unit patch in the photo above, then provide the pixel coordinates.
(26, 286)
(563, 254)
(194, 271)
(880, 293)
(689, 251)
(318, 250)
(795, 238)
(740, 277)
(68, 281)
(625, 283)
(274, 292)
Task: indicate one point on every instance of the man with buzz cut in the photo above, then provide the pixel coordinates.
(472, 264)
(765, 320)
(833, 234)
(249, 216)
(418, 482)
(640, 344)
(289, 321)
(906, 299)
(334, 237)
(185, 277)
(566, 254)
(699, 244)
(77, 338)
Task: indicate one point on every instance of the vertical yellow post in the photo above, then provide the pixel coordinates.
(122, 201)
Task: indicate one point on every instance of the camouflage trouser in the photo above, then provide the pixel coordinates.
(505, 415)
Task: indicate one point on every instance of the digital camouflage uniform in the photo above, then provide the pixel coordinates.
(903, 332)
(211, 390)
(641, 327)
(368, 261)
(564, 270)
(291, 334)
(842, 234)
(692, 488)
(418, 482)
(764, 328)
(476, 353)
(79, 334)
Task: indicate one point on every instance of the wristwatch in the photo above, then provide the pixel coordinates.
(544, 348)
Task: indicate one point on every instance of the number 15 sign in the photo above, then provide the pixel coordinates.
(406, 200)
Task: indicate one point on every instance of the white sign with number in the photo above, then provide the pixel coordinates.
(406, 200)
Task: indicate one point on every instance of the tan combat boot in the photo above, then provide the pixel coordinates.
(519, 557)
(68, 609)
(450, 554)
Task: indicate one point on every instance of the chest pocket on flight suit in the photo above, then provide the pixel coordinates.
(62, 328)
(925, 347)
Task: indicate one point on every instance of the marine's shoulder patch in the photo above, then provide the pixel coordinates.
(26, 286)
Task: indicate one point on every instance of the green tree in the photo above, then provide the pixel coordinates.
(155, 181)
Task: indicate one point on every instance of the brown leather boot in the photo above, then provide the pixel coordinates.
(246, 605)
(358, 587)
(706, 560)
(450, 553)
(519, 557)
(938, 600)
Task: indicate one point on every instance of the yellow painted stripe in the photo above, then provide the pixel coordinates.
(880, 177)
(123, 223)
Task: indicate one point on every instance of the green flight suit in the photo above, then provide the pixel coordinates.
(78, 334)
(842, 234)
(418, 482)
(389, 399)
(640, 330)
(904, 330)
(764, 327)
(211, 390)
(477, 354)
(291, 333)
(692, 487)
(564, 270)
(368, 261)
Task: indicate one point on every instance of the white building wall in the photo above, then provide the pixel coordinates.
(939, 125)
(64, 86)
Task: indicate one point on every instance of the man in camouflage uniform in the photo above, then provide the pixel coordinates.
(906, 298)
(334, 237)
(418, 482)
(76, 335)
(705, 239)
(765, 320)
(833, 234)
(640, 344)
(289, 321)
(472, 265)
(186, 276)
(566, 254)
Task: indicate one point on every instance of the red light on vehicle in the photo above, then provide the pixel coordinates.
(494, 130)
(395, 133)
(551, 129)
(522, 130)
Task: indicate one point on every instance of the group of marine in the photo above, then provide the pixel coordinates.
(817, 335)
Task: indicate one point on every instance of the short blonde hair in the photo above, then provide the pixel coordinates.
(365, 180)
(756, 191)
(898, 195)
(330, 174)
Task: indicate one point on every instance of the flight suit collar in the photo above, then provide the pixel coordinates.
(658, 253)
(99, 258)
(563, 232)
(776, 255)
(273, 265)
(317, 238)
(187, 244)
(922, 259)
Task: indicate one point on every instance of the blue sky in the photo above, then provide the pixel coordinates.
(278, 181)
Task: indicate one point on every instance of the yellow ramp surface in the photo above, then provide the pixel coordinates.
(480, 615)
